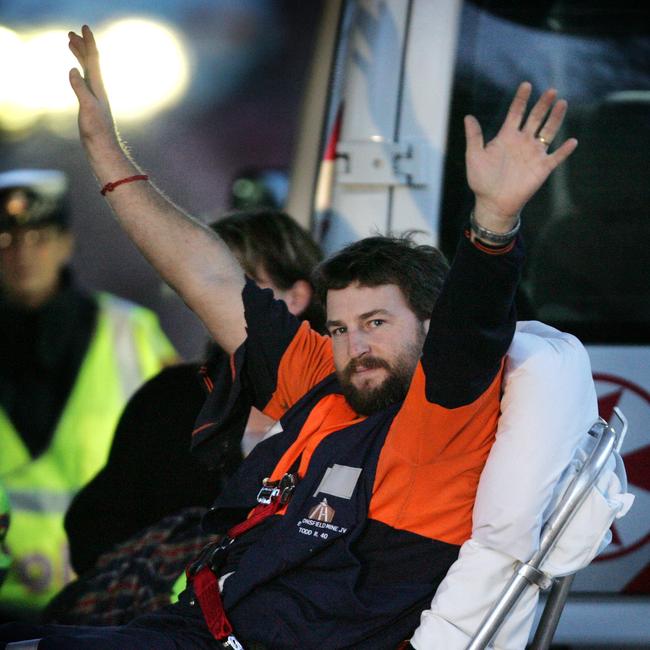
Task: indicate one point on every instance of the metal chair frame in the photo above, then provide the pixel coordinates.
(528, 574)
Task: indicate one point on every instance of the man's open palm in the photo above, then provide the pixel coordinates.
(506, 172)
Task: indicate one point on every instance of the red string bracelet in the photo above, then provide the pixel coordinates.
(109, 187)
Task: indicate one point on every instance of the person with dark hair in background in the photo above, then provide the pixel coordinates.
(155, 433)
(69, 360)
(278, 253)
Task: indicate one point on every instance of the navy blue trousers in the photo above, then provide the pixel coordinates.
(174, 627)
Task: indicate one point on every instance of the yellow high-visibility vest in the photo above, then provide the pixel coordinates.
(127, 347)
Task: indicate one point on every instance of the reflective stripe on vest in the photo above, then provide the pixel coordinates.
(126, 351)
(41, 488)
(41, 501)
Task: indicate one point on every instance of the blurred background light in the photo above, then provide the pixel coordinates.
(146, 69)
(145, 64)
(45, 63)
(13, 116)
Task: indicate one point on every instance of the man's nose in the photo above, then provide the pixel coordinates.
(357, 344)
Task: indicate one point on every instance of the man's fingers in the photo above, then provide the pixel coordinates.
(75, 51)
(88, 35)
(563, 152)
(77, 46)
(539, 112)
(89, 41)
(85, 50)
(84, 47)
(518, 105)
(78, 84)
(473, 134)
(84, 93)
(552, 125)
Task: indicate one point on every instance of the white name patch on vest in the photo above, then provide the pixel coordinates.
(339, 481)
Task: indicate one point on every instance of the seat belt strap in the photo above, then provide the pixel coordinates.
(206, 590)
(201, 574)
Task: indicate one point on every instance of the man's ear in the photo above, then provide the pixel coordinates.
(298, 297)
(425, 325)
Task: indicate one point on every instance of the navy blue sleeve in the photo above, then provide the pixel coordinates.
(472, 324)
(247, 379)
(270, 328)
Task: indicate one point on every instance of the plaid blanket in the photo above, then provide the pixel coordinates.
(135, 577)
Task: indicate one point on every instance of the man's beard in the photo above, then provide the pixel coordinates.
(366, 401)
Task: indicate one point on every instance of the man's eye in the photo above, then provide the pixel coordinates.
(337, 331)
(376, 322)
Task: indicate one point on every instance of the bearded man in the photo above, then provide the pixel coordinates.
(338, 528)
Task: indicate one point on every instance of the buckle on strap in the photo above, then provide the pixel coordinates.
(231, 642)
(209, 556)
(267, 494)
(288, 484)
(283, 488)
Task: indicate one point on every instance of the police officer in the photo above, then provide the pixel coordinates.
(68, 362)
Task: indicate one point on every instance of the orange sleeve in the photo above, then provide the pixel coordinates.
(306, 361)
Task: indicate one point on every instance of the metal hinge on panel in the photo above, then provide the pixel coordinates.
(379, 162)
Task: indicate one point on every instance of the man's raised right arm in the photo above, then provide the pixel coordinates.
(186, 253)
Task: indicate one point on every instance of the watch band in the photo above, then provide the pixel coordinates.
(495, 238)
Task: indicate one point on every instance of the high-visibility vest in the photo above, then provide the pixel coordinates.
(127, 347)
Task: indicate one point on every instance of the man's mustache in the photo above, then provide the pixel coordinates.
(364, 363)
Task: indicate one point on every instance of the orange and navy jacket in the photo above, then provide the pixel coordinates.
(384, 501)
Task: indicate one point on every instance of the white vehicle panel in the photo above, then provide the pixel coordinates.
(424, 116)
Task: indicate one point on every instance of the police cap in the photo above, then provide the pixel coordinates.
(30, 198)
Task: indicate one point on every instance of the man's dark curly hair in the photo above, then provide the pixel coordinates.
(418, 270)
